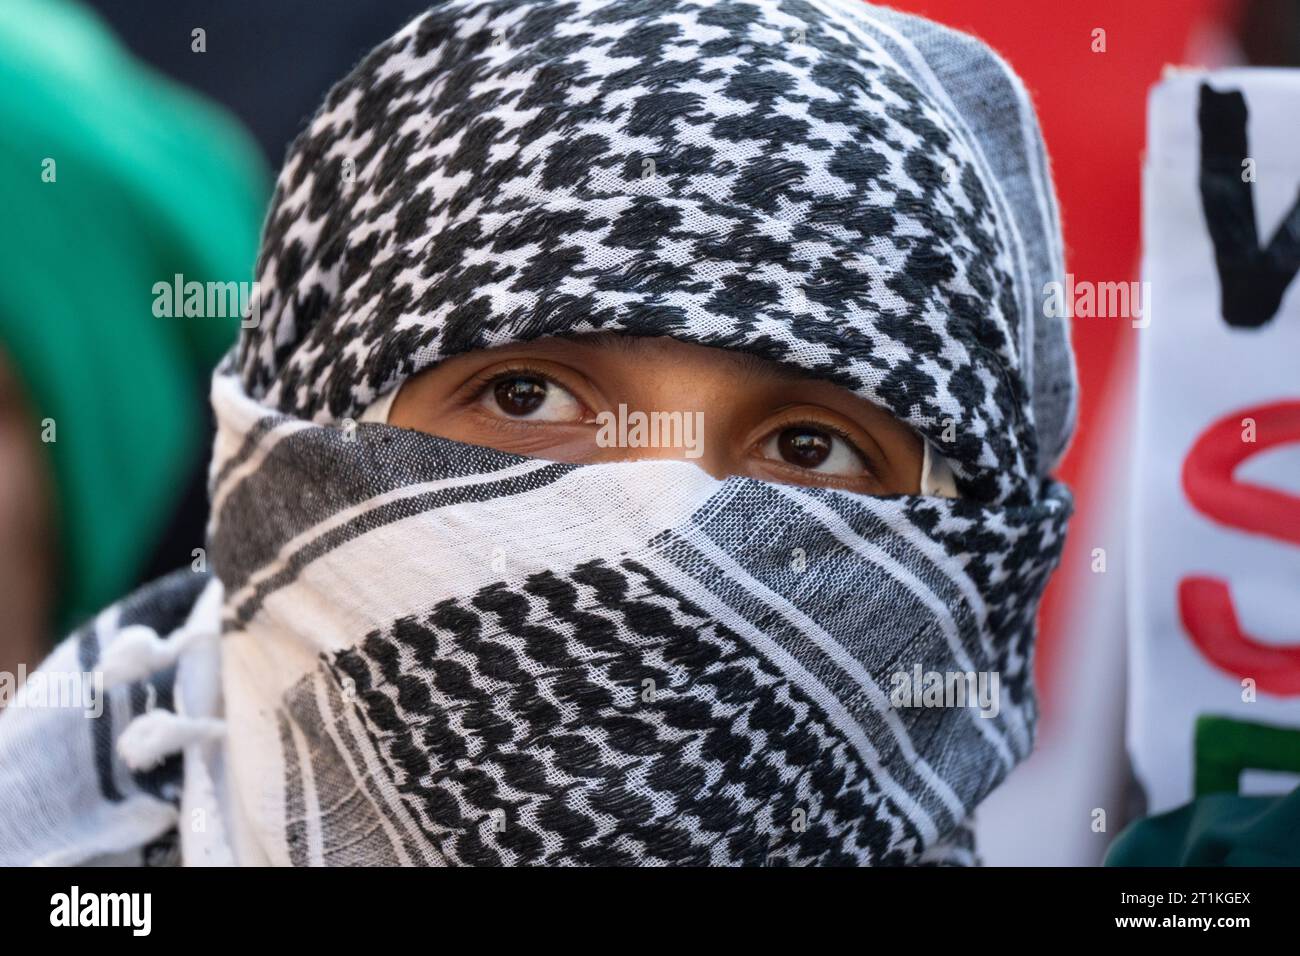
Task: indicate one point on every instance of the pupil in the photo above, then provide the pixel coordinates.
(804, 447)
(520, 396)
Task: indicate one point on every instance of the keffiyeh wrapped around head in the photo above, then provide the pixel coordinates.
(437, 653)
(842, 188)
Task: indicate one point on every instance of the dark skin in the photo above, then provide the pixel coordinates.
(760, 419)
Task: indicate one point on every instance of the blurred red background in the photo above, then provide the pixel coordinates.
(1092, 106)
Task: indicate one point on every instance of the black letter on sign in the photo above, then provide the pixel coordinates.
(1253, 280)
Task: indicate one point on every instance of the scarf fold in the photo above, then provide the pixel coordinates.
(499, 659)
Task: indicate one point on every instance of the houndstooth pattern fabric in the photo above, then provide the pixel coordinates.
(642, 673)
(789, 178)
(523, 727)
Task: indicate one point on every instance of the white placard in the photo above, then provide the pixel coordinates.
(1214, 580)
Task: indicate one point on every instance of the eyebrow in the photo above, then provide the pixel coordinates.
(751, 365)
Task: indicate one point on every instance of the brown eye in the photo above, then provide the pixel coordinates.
(523, 394)
(804, 447)
(814, 449)
(520, 396)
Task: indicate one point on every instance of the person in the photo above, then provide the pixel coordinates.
(114, 179)
(641, 456)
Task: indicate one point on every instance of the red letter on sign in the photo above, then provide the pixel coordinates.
(1205, 604)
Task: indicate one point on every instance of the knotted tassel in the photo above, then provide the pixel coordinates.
(138, 652)
(155, 734)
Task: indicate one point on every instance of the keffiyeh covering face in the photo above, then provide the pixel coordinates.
(436, 653)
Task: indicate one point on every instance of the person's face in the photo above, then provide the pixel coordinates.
(545, 399)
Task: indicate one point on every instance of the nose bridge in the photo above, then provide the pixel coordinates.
(671, 422)
(689, 402)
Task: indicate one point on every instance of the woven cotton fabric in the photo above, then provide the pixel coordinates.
(503, 660)
(409, 650)
(797, 180)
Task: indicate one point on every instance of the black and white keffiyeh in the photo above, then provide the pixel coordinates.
(413, 651)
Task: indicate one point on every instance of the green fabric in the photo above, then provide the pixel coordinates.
(1226, 746)
(151, 181)
(1220, 829)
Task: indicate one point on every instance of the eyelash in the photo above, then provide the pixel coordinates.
(867, 461)
(479, 385)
